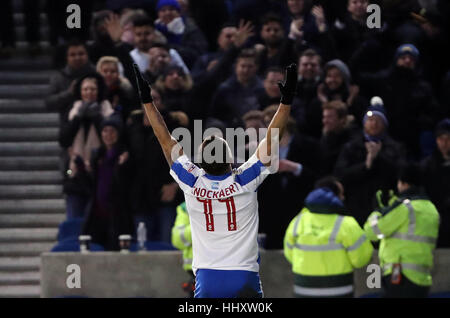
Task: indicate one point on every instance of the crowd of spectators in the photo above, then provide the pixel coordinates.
(369, 100)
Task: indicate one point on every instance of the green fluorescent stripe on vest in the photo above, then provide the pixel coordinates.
(334, 291)
(415, 267)
(357, 244)
(414, 238)
(320, 248)
(289, 246)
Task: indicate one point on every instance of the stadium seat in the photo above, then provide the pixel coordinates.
(70, 228)
(72, 245)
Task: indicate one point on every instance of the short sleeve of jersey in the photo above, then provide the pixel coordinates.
(251, 174)
(185, 173)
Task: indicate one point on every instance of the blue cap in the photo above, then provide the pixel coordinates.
(172, 3)
(407, 49)
(376, 110)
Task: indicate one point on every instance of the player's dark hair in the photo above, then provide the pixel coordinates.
(329, 182)
(215, 168)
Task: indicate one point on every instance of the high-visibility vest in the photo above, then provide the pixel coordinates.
(181, 236)
(324, 249)
(408, 231)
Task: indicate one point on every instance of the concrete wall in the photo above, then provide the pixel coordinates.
(160, 274)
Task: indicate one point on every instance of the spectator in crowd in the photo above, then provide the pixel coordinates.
(409, 101)
(336, 86)
(62, 84)
(350, 32)
(309, 70)
(271, 93)
(180, 31)
(336, 132)
(368, 163)
(253, 119)
(174, 86)
(119, 91)
(275, 49)
(309, 29)
(207, 82)
(160, 58)
(433, 45)
(79, 136)
(324, 246)
(154, 195)
(296, 174)
(109, 215)
(225, 40)
(101, 46)
(145, 36)
(436, 173)
(408, 229)
(239, 93)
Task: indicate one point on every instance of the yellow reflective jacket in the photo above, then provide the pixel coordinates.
(408, 230)
(181, 236)
(324, 247)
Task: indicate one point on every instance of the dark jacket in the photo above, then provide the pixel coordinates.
(281, 195)
(60, 98)
(232, 100)
(361, 183)
(436, 177)
(150, 171)
(331, 145)
(409, 102)
(190, 44)
(106, 230)
(313, 111)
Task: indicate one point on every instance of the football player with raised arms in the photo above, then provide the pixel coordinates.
(222, 202)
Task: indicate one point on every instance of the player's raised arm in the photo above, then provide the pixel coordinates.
(278, 124)
(165, 139)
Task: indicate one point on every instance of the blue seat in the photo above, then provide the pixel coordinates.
(70, 228)
(153, 246)
(72, 245)
(445, 294)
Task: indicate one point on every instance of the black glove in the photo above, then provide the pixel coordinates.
(92, 111)
(289, 87)
(143, 86)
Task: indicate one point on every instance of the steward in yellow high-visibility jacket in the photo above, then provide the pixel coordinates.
(324, 246)
(181, 236)
(408, 230)
(182, 240)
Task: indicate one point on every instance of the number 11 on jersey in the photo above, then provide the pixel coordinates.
(231, 213)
